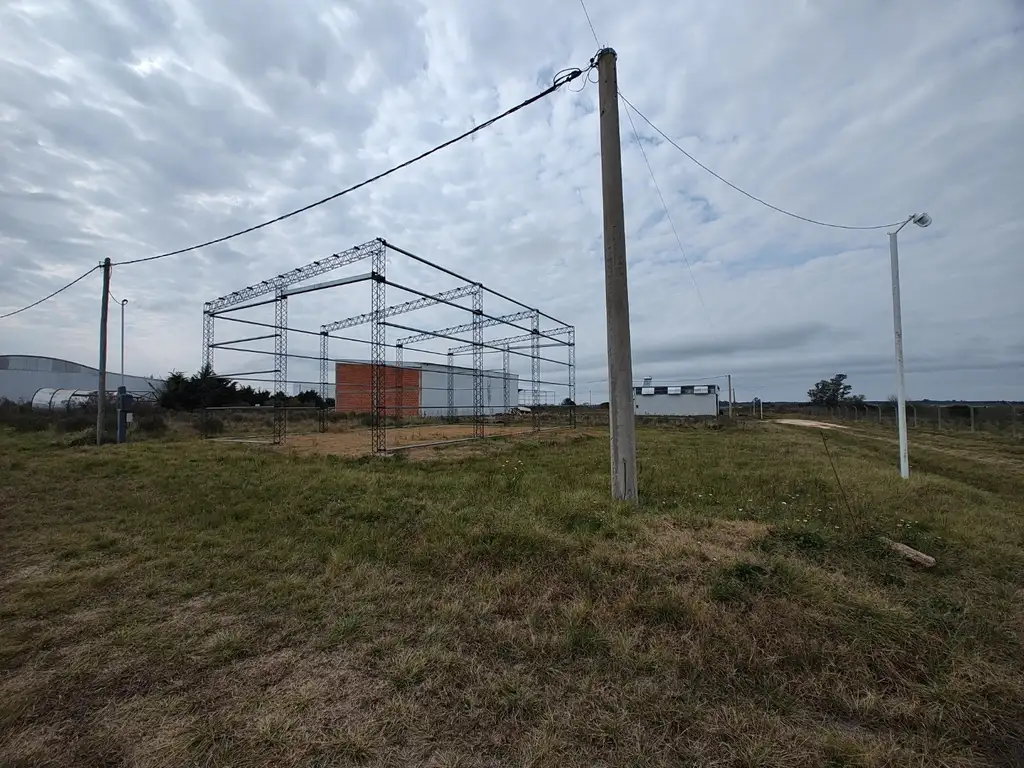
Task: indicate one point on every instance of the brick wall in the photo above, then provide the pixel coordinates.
(352, 389)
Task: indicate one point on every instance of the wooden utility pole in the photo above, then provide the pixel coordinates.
(101, 389)
(621, 415)
(729, 387)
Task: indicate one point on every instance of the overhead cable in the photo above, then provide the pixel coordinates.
(743, 191)
(47, 298)
(668, 216)
(592, 30)
(565, 76)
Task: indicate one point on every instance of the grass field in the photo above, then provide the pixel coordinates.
(199, 603)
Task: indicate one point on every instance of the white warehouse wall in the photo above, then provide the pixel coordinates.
(434, 392)
(21, 376)
(676, 405)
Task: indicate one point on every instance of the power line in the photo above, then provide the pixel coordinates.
(668, 216)
(743, 191)
(566, 76)
(587, 14)
(47, 298)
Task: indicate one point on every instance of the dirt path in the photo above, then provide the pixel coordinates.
(917, 443)
(810, 423)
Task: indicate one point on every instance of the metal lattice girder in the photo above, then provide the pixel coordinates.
(506, 383)
(398, 309)
(280, 364)
(324, 366)
(297, 275)
(378, 427)
(478, 364)
(281, 344)
(535, 370)
(399, 382)
(572, 377)
(485, 322)
(207, 337)
(510, 340)
(451, 388)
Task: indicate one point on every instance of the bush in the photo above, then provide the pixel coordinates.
(21, 417)
(151, 423)
(79, 419)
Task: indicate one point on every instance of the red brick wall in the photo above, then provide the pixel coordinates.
(352, 389)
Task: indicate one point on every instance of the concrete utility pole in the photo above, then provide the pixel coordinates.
(729, 387)
(621, 414)
(101, 389)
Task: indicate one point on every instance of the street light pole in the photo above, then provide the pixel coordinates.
(124, 303)
(922, 220)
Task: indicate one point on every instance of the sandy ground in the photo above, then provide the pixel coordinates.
(810, 423)
(357, 442)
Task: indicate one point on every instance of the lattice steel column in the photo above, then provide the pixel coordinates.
(506, 383)
(378, 427)
(478, 363)
(399, 383)
(207, 335)
(324, 373)
(535, 369)
(572, 376)
(451, 386)
(280, 363)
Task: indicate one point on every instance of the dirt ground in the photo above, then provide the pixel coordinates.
(357, 442)
(810, 423)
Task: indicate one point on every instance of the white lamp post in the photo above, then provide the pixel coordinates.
(922, 220)
(124, 303)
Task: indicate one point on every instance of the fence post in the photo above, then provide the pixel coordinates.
(914, 409)
(971, 409)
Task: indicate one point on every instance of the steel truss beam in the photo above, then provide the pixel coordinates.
(399, 384)
(484, 322)
(297, 275)
(506, 390)
(451, 389)
(378, 340)
(510, 340)
(478, 364)
(398, 309)
(280, 363)
(275, 285)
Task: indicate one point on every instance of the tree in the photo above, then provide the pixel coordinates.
(567, 402)
(205, 389)
(833, 392)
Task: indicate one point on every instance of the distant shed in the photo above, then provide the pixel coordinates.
(675, 399)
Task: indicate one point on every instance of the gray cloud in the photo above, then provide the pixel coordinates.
(129, 128)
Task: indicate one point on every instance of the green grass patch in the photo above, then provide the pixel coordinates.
(184, 602)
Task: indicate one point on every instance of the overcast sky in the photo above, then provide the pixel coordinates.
(128, 128)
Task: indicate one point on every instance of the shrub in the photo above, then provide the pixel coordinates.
(152, 423)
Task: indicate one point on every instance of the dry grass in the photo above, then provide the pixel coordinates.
(190, 603)
(357, 442)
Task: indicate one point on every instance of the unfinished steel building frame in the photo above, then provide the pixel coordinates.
(277, 291)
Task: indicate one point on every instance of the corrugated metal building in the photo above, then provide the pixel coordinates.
(421, 389)
(21, 376)
(675, 399)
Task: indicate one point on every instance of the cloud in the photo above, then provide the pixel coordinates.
(131, 128)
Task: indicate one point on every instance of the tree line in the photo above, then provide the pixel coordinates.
(205, 389)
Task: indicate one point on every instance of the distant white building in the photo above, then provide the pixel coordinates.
(21, 376)
(652, 399)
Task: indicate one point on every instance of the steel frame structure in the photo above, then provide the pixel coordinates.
(277, 290)
(507, 347)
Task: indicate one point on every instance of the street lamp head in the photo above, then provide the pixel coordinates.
(922, 219)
